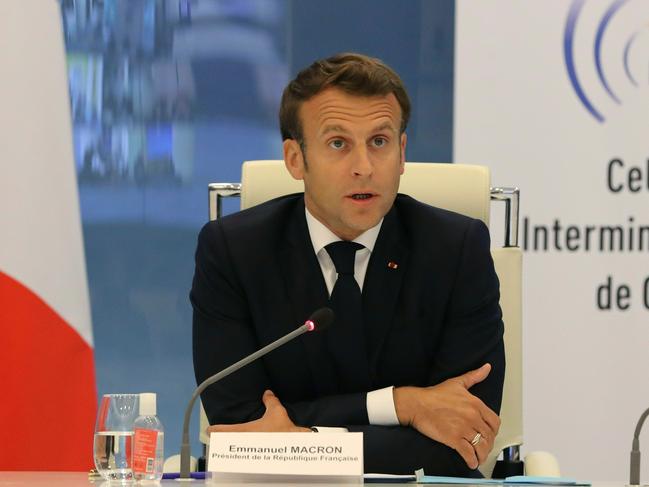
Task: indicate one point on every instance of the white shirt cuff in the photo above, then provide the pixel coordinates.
(380, 407)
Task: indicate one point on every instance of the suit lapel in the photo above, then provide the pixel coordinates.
(307, 292)
(382, 285)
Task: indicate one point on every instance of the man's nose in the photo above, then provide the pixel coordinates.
(361, 161)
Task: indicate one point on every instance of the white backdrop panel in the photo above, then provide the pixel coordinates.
(517, 110)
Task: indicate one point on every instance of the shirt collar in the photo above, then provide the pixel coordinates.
(321, 236)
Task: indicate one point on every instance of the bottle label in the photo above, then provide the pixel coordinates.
(145, 442)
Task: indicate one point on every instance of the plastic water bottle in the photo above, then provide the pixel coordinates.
(148, 441)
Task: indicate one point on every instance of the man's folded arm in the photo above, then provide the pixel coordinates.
(402, 450)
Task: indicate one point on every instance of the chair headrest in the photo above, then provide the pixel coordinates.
(462, 188)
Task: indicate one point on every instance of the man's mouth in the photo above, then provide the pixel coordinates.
(361, 196)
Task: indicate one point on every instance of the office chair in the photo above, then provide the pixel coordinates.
(458, 187)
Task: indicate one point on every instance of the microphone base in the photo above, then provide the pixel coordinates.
(507, 468)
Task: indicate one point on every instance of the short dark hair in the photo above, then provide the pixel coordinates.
(353, 73)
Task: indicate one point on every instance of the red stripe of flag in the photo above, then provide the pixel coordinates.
(48, 404)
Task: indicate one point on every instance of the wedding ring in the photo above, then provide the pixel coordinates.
(476, 439)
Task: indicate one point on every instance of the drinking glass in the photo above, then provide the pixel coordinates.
(114, 436)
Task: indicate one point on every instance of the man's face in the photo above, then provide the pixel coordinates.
(353, 160)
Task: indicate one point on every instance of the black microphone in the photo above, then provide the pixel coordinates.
(318, 321)
(634, 469)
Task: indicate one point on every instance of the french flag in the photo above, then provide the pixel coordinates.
(47, 377)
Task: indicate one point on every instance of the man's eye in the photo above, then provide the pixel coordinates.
(379, 141)
(337, 144)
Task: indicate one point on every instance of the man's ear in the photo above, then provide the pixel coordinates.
(402, 143)
(293, 158)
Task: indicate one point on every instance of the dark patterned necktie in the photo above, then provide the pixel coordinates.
(348, 342)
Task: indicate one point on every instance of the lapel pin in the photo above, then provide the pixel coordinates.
(393, 265)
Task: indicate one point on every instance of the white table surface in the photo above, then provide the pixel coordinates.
(80, 479)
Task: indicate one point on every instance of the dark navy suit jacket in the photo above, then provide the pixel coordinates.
(430, 315)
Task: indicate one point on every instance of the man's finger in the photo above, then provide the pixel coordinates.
(267, 396)
(472, 377)
(270, 399)
(491, 419)
(483, 447)
(466, 451)
(483, 419)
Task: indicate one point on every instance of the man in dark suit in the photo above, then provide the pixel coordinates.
(420, 367)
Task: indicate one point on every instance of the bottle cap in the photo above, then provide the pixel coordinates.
(147, 404)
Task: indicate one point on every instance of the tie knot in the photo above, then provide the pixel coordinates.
(343, 254)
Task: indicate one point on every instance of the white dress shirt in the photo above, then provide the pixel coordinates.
(380, 403)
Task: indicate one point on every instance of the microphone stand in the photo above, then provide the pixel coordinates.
(185, 450)
(634, 470)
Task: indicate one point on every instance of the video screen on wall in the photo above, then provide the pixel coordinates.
(168, 95)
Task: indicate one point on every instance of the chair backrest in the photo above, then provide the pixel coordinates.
(461, 188)
(509, 264)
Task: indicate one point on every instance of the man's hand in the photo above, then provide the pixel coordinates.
(275, 419)
(450, 414)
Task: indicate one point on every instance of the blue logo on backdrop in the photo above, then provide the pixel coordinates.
(568, 51)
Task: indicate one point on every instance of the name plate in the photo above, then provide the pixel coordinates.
(292, 454)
